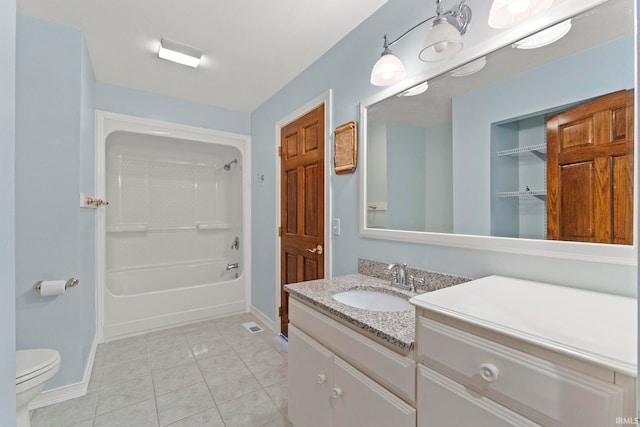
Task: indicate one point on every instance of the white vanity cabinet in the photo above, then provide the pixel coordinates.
(310, 381)
(506, 352)
(326, 390)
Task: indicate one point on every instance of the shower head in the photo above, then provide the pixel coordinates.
(228, 165)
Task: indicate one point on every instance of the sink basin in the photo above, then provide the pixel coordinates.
(372, 300)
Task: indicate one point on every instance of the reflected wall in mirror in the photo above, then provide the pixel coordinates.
(469, 155)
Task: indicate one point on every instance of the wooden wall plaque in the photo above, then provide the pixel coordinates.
(346, 148)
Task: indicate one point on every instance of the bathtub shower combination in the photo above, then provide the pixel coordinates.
(174, 232)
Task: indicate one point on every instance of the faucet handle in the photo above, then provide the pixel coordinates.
(414, 281)
(394, 277)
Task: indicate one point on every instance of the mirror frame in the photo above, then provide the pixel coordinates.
(581, 251)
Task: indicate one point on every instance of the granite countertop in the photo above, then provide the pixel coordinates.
(397, 328)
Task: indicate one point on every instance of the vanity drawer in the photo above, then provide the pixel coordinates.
(540, 390)
(443, 402)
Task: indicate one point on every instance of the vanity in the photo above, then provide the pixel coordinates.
(490, 352)
(500, 351)
(349, 366)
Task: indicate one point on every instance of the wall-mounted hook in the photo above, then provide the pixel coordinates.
(91, 202)
(260, 178)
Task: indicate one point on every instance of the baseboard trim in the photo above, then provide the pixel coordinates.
(71, 391)
(264, 319)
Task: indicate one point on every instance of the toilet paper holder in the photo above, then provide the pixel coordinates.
(70, 284)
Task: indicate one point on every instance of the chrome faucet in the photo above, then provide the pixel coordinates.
(399, 278)
(399, 274)
(232, 266)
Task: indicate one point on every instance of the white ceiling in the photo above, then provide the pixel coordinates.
(252, 48)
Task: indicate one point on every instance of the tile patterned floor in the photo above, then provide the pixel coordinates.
(213, 373)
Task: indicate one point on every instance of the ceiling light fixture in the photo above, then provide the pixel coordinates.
(180, 53)
(545, 37)
(507, 13)
(443, 41)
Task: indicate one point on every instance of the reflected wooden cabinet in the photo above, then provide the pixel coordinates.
(590, 171)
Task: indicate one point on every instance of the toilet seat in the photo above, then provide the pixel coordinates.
(36, 362)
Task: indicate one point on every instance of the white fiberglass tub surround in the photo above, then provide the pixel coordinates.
(174, 230)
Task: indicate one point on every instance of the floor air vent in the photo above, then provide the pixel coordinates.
(252, 327)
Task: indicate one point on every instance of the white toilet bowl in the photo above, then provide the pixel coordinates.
(33, 369)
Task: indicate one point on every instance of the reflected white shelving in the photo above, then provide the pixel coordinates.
(539, 194)
(538, 149)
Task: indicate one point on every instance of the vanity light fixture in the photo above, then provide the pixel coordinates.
(443, 40)
(545, 37)
(507, 13)
(180, 53)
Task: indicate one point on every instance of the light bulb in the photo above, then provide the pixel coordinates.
(440, 47)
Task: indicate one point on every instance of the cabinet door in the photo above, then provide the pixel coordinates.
(359, 401)
(310, 377)
(443, 402)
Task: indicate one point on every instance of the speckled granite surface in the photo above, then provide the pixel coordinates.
(396, 328)
(432, 280)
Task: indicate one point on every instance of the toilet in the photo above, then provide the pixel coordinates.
(33, 369)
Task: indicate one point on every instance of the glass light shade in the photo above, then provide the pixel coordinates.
(388, 71)
(545, 37)
(507, 13)
(442, 41)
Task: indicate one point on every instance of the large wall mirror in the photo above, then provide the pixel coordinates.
(522, 149)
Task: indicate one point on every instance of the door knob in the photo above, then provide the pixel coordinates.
(316, 250)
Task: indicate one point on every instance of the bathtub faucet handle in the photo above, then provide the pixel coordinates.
(232, 266)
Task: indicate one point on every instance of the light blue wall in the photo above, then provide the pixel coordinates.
(54, 158)
(7, 212)
(345, 69)
(145, 104)
(474, 112)
(439, 179)
(406, 153)
(87, 219)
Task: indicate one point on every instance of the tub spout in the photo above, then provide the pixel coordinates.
(232, 266)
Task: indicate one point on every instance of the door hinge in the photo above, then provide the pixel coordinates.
(280, 311)
(279, 231)
(280, 151)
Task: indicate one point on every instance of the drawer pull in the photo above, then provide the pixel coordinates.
(322, 378)
(336, 392)
(489, 372)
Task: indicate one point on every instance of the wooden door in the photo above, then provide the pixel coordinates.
(302, 204)
(590, 171)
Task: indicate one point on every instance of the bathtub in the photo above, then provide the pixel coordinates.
(173, 243)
